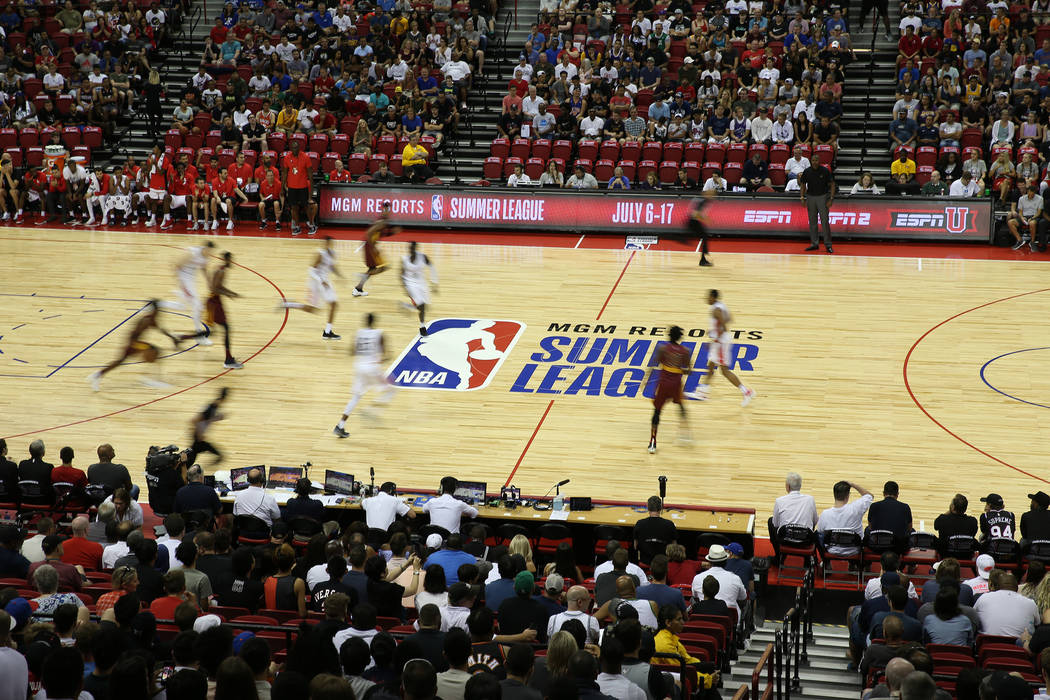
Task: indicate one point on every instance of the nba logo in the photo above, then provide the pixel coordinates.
(437, 207)
(457, 354)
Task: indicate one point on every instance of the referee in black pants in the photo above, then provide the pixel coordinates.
(818, 191)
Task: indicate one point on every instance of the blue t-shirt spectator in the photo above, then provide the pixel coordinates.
(662, 594)
(413, 124)
(450, 560)
(660, 110)
(323, 21)
(719, 125)
(229, 48)
(829, 109)
(380, 100)
(427, 83)
(649, 76)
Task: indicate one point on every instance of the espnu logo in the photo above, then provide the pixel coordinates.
(950, 219)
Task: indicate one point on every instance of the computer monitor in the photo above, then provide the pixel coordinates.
(239, 476)
(338, 482)
(472, 492)
(284, 477)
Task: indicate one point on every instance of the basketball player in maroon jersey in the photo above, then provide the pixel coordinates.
(374, 261)
(673, 361)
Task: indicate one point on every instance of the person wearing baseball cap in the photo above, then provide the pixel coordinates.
(550, 596)
(730, 589)
(1035, 524)
(979, 583)
(996, 521)
(522, 612)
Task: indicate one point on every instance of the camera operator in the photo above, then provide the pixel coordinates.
(165, 475)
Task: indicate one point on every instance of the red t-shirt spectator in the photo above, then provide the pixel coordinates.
(164, 608)
(932, 45)
(218, 34)
(682, 571)
(298, 168)
(63, 474)
(339, 175)
(909, 44)
(68, 576)
(520, 86)
(78, 550)
(202, 192)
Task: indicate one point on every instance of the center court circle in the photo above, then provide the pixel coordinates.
(984, 376)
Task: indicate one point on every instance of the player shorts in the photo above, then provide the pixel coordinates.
(140, 346)
(221, 206)
(720, 351)
(667, 389)
(157, 195)
(178, 201)
(369, 376)
(297, 197)
(118, 201)
(32, 196)
(320, 292)
(372, 257)
(188, 287)
(418, 293)
(216, 315)
(268, 206)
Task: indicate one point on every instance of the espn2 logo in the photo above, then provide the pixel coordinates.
(950, 219)
(456, 354)
(767, 216)
(849, 218)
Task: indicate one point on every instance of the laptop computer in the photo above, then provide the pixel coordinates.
(338, 482)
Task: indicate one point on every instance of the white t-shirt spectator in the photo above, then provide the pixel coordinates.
(255, 501)
(397, 70)
(619, 686)
(592, 126)
(55, 81)
(530, 106)
(735, 7)
(913, 22)
(14, 674)
(446, 511)
(632, 569)
(589, 623)
(457, 69)
(381, 509)
(848, 517)
(797, 166)
(730, 587)
(644, 24)
(571, 70)
(156, 18)
(285, 50)
(307, 115)
(514, 180)
(1006, 613)
(795, 507)
(962, 189)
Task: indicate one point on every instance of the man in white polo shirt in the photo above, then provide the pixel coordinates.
(578, 600)
(446, 511)
(381, 509)
(607, 565)
(255, 501)
(730, 587)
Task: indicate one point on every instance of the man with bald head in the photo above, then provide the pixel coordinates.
(896, 671)
(627, 594)
(255, 501)
(196, 495)
(577, 602)
(78, 550)
(605, 583)
(878, 654)
(919, 685)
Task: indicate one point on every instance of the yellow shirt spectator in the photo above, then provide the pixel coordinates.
(414, 155)
(668, 643)
(287, 119)
(906, 166)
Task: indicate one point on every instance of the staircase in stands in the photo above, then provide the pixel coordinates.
(824, 677)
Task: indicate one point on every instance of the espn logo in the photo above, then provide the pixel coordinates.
(951, 219)
(767, 216)
(849, 218)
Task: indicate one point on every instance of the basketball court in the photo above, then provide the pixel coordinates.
(926, 370)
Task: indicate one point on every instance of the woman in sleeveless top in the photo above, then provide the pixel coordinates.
(284, 590)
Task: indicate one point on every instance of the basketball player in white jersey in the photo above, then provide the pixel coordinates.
(195, 260)
(414, 268)
(121, 187)
(321, 291)
(720, 351)
(370, 351)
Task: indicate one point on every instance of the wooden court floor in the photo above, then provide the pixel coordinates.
(824, 341)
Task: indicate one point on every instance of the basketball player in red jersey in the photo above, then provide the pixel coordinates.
(381, 228)
(157, 168)
(137, 346)
(271, 196)
(216, 313)
(673, 360)
(202, 195)
(180, 194)
(222, 200)
(241, 173)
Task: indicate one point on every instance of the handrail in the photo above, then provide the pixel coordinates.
(871, 83)
(763, 663)
(742, 693)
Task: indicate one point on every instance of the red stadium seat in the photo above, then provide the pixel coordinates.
(644, 168)
(609, 150)
(587, 149)
(202, 121)
(694, 151)
(340, 143)
(32, 87)
(8, 138)
(708, 169)
(493, 168)
(761, 149)
(927, 156)
(226, 157)
(357, 164)
(303, 140)
(737, 153)
(673, 151)
(318, 143)
(173, 138)
(603, 170)
(668, 172)
(806, 150)
(561, 149)
(715, 153)
(534, 168)
(509, 163)
(541, 148)
(732, 172)
(28, 136)
(971, 137)
(692, 169)
(395, 165)
(500, 148)
(194, 141)
(16, 156)
(827, 153)
(584, 163)
(213, 138)
(652, 150)
(71, 137)
(377, 158)
(386, 145)
(632, 150)
(629, 168)
(779, 153)
(520, 148)
(777, 174)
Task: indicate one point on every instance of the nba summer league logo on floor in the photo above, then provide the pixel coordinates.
(457, 354)
(587, 363)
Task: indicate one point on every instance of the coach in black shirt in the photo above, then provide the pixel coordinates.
(36, 469)
(654, 527)
(996, 521)
(954, 522)
(1035, 524)
(890, 514)
(817, 189)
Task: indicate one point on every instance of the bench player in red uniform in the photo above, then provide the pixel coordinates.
(202, 195)
(673, 361)
(271, 198)
(225, 188)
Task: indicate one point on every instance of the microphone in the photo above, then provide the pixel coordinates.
(556, 488)
(372, 481)
(663, 487)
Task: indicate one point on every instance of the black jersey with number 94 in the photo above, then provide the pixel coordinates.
(996, 524)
